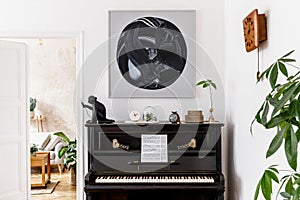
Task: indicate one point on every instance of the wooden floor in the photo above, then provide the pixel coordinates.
(63, 191)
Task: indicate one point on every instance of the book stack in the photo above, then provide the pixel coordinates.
(194, 116)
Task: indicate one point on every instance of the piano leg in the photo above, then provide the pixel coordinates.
(221, 196)
(88, 196)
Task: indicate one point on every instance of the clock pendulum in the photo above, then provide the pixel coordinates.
(258, 72)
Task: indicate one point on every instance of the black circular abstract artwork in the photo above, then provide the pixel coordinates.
(151, 53)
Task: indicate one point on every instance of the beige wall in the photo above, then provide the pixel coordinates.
(52, 72)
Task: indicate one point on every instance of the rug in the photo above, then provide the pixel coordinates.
(50, 188)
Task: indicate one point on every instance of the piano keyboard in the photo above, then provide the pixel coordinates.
(154, 179)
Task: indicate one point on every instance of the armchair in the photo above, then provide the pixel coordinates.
(46, 141)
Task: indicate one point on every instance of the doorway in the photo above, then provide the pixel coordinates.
(53, 63)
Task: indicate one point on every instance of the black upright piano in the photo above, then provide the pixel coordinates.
(118, 171)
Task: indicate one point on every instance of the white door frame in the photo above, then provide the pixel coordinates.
(78, 35)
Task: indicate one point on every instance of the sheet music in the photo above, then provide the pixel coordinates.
(154, 148)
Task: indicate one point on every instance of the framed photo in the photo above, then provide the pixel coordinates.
(152, 54)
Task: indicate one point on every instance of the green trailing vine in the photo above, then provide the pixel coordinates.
(281, 111)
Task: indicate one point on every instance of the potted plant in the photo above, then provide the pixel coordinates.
(70, 153)
(33, 149)
(32, 106)
(209, 83)
(281, 111)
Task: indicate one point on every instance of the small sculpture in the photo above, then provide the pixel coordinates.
(98, 111)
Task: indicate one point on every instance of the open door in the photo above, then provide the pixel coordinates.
(13, 122)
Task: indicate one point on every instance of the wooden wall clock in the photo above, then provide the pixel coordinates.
(255, 30)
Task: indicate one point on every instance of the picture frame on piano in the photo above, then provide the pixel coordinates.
(152, 53)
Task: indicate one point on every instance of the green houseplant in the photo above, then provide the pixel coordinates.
(32, 106)
(33, 149)
(210, 84)
(281, 111)
(70, 153)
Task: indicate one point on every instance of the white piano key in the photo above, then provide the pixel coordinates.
(154, 179)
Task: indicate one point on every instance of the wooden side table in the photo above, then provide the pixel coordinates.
(38, 120)
(41, 160)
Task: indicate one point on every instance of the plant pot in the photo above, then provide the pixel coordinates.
(73, 177)
(31, 114)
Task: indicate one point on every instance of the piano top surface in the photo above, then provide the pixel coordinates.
(160, 123)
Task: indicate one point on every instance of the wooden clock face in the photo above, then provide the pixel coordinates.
(251, 34)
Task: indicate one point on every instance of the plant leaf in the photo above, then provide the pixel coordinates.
(287, 60)
(285, 98)
(257, 190)
(273, 76)
(62, 151)
(274, 169)
(292, 109)
(297, 193)
(289, 53)
(291, 148)
(285, 194)
(298, 134)
(68, 160)
(266, 186)
(289, 186)
(285, 178)
(295, 122)
(283, 69)
(265, 114)
(63, 136)
(276, 142)
(272, 175)
(298, 107)
(251, 126)
(297, 175)
(282, 181)
(200, 83)
(213, 85)
(297, 181)
(275, 121)
(257, 116)
(269, 70)
(273, 101)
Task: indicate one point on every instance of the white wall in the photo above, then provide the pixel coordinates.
(92, 18)
(246, 153)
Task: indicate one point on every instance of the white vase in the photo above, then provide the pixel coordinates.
(31, 114)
